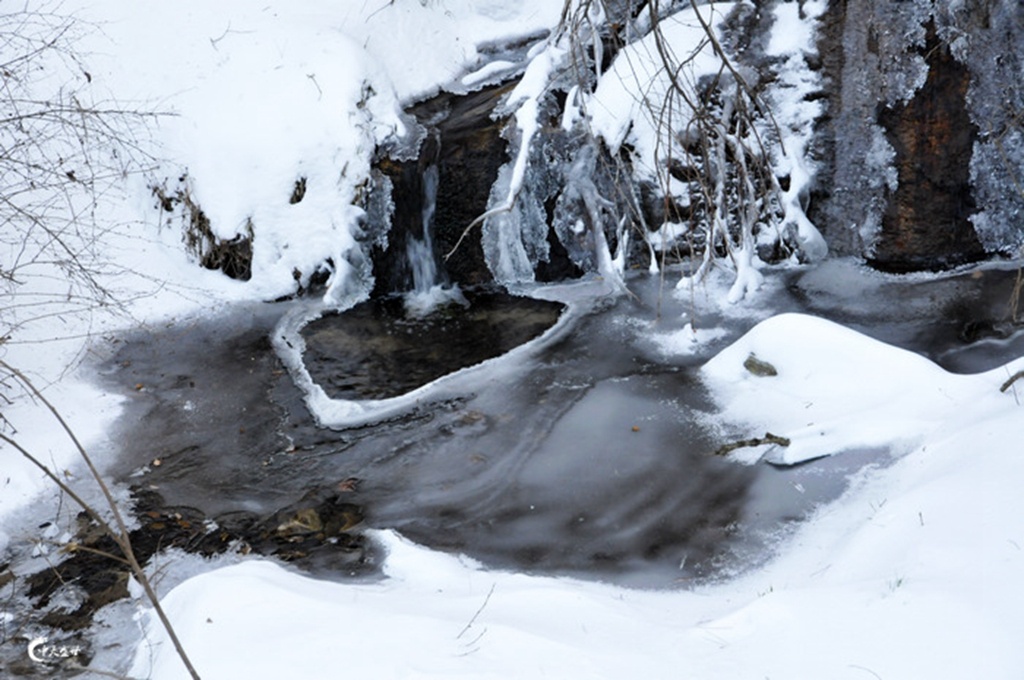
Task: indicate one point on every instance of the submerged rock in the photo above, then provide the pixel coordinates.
(376, 351)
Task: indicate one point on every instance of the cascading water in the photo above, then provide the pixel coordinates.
(430, 286)
(421, 251)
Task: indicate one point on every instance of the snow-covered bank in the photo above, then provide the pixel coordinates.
(257, 99)
(912, 574)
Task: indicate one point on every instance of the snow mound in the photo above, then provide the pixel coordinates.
(836, 389)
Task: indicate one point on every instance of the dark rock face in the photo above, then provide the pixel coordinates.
(233, 256)
(472, 150)
(392, 271)
(926, 223)
(918, 152)
(464, 142)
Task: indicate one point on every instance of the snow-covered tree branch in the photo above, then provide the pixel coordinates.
(672, 113)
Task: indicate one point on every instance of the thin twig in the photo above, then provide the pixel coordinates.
(736, 74)
(1013, 378)
(768, 438)
(506, 207)
(866, 670)
(478, 611)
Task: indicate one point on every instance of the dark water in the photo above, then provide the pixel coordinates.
(592, 456)
(376, 350)
(966, 322)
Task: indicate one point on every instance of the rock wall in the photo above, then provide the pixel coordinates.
(923, 146)
(926, 221)
(919, 156)
(463, 140)
(923, 143)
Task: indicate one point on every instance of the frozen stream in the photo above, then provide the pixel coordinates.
(591, 456)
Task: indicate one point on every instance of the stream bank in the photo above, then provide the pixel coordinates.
(590, 457)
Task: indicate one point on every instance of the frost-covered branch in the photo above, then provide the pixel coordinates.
(651, 97)
(722, 143)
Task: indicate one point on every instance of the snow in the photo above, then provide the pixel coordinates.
(88, 411)
(686, 340)
(436, 616)
(829, 372)
(524, 99)
(792, 33)
(264, 95)
(793, 39)
(488, 71)
(625, 105)
(913, 573)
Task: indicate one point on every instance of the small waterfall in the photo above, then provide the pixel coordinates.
(430, 287)
(449, 180)
(421, 251)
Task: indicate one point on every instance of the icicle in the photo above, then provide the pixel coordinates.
(812, 243)
(573, 110)
(748, 278)
(524, 100)
(605, 263)
(622, 236)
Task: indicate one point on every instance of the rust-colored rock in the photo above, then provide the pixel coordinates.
(925, 225)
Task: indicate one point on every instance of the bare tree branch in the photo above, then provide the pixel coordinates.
(119, 530)
(61, 154)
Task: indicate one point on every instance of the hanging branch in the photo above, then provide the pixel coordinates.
(763, 110)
